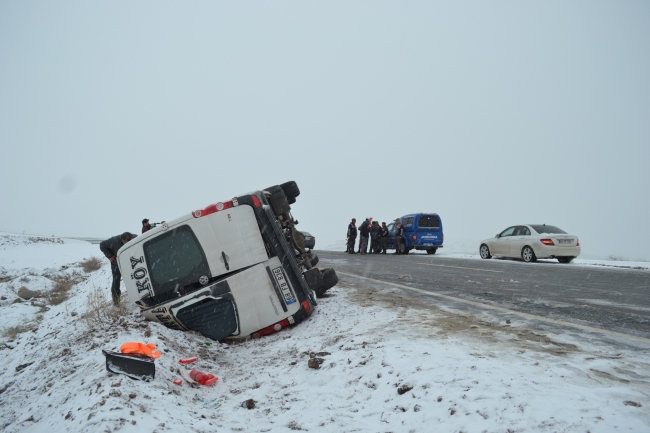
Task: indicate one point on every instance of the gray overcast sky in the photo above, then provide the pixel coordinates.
(489, 113)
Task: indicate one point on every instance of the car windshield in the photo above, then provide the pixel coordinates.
(544, 229)
(306, 234)
(175, 259)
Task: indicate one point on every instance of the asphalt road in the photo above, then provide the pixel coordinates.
(614, 300)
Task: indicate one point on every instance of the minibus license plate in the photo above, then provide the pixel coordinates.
(283, 285)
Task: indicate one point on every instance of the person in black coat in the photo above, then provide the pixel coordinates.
(352, 236)
(374, 237)
(384, 237)
(110, 247)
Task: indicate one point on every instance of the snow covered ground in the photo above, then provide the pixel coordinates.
(389, 364)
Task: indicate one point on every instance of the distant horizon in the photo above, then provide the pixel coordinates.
(339, 244)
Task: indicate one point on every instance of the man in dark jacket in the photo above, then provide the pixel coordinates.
(352, 236)
(399, 232)
(110, 247)
(146, 226)
(374, 237)
(364, 231)
(384, 237)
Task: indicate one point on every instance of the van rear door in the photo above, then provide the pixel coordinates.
(429, 230)
(190, 250)
(231, 239)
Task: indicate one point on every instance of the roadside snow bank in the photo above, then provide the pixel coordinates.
(18, 252)
(386, 364)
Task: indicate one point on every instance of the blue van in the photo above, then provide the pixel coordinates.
(422, 231)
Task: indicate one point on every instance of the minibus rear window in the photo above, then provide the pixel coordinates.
(175, 259)
(428, 221)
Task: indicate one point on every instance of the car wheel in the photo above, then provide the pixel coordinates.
(432, 250)
(565, 259)
(528, 255)
(406, 250)
(291, 190)
(484, 251)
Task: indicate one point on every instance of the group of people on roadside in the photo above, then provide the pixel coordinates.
(371, 231)
(110, 247)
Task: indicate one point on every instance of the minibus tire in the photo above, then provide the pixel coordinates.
(329, 279)
(278, 200)
(291, 190)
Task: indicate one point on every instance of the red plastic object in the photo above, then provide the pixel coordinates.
(203, 378)
(188, 360)
(140, 348)
(178, 382)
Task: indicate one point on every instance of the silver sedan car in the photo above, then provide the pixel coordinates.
(531, 242)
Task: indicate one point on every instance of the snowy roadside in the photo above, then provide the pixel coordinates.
(457, 372)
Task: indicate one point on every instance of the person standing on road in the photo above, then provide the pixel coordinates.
(365, 233)
(352, 236)
(374, 237)
(399, 232)
(110, 247)
(383, 234)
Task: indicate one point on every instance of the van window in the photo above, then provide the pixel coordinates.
(428, 221)
(214, 318)
(175, 259)
(408, 222)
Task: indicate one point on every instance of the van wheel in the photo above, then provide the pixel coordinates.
(528, 255)
(291, 190)
(432, 250)
(278, 200)
(328, 280)
(484, 251)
